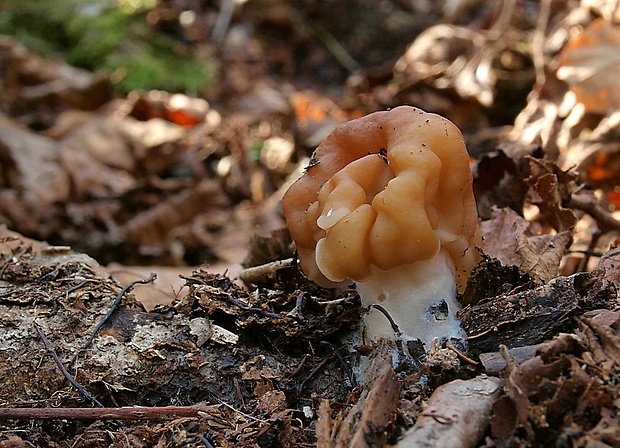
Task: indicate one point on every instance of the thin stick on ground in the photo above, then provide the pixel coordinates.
(125, 413)
(67, 375)
(115, 305)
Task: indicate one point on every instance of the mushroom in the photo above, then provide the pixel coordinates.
(387, 202)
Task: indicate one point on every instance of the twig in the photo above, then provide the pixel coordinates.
(232, 408)
(313, 372)
(206, 442)
(336, 49)
(345, 364)
(538, 41)
(222, 22)
(457, 414)
(245, 307)
(76, 287)
(297, 370)
(299, 303)
(58, 362)
(461, 355)
(264, 272)
(389, 318)
(116, 303)
(604, 219)
(101, 413)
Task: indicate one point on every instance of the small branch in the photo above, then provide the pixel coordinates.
(336, 49)
(264, 272)
(127, 413)
(389, 318)
(115, 305)
(58, 362)
(237, 411)
(76, 287)
(457, 414)
(222, 22)
(538, 41)
(300, 366)
(312, 373)
(461, 355)
(343, 362)
(604, 219)
(299, 304)
(245, 307)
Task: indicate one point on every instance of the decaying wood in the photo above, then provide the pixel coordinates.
(533, 316)
(364, 424)
(494, 362)
(457, 415)
(260, 274)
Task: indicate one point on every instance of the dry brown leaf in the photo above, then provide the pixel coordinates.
(589, 63)
(508, 238)
(550, 188)
(610, 265)
(498, 181)
(541, 254)
(31, 166)
(30, 82)
(152, 226)
(500, 235)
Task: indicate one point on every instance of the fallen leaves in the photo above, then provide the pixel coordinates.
(509, 238)
(168, 178)
(589, 64)
(569, 384)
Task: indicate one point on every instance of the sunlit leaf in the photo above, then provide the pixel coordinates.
(590, 64)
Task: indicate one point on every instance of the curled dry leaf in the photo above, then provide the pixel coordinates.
(589, 63)
(552, 187)
(31, 166)
(541, 254)
(475, 64)
(498, 181)
(508, 238)
(563, 383)
(30, 82)
(610, 265)
(152, 226)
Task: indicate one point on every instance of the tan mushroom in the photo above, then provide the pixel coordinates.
(387, 202)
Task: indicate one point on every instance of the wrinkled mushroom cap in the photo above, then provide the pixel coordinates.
(391, 188)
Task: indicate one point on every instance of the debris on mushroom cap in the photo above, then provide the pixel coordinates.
(391, 188)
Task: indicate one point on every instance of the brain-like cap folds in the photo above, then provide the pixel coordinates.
(391, 188)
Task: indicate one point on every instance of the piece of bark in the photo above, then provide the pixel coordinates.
(457, 415)
(364, 424)
(494, 362)
(536, 315)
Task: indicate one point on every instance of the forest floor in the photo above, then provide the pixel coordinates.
(149, 292)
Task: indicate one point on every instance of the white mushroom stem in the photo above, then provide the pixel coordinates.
(419, 297)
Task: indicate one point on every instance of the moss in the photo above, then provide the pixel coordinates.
(103, 36)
